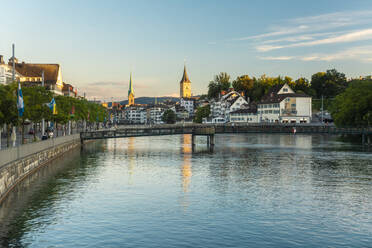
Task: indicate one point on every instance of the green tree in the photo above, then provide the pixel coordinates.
(169, 116)
(8, 107)
(353, 107)
(202, 112)
(329, 84)
(302, 85)
(244, 84)
(221, 82)
(35, 99)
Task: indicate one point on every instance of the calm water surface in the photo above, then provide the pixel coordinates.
(252, 191)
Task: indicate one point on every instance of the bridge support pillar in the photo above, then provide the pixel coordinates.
(211, 140)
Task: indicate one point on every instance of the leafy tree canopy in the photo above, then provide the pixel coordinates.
(202, 112)
(329, 84)
(169, 116)
(353, 107)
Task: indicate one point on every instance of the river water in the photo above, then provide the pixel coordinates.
(253, 190)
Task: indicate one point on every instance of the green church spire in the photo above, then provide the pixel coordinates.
(130, 85)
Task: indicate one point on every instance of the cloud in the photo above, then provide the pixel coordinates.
(337, 18)
(358, 35)
(280, 58)
(111, 83)
(173, 95)
(310, 24)
(291, 30)
(363, 54)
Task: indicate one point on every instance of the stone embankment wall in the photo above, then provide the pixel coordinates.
(18, 162)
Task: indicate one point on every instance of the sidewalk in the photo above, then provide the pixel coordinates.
(28, 138)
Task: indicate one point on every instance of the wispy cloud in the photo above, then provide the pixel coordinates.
(281, 58)
(311, 31)
(357, 53)
(292, 30)
(359, 35)
(363, 54)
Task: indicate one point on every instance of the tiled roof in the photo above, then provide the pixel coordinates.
(278, 98)
(35, 70)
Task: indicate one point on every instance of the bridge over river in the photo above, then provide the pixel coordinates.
(209, 130)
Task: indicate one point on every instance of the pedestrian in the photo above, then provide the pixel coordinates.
(13, 137)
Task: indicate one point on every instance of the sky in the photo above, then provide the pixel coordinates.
(98, 43)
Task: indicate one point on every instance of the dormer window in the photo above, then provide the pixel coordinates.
(285, 90)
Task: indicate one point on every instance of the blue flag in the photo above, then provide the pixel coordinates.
(20, 103)
(51, 104)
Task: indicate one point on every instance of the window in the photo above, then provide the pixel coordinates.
(285, 90)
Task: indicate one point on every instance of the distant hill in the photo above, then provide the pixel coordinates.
(149, 100)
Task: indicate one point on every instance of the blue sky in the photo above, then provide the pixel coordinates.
(98, 43)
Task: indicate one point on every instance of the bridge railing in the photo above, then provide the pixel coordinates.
(219, 128)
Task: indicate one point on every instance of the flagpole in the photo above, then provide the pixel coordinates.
(13, 80)
(69, 121)
(42, 120)
(13, 76)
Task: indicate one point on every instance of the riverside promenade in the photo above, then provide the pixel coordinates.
(16, 163)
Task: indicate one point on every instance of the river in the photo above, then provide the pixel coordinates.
(253, 190)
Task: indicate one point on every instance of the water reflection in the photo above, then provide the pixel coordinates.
(253, 191)
(38, 196)
(186, 165)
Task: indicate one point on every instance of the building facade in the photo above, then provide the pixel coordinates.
(283, 105)
(135, 115)
(229, 102)
(188, 104)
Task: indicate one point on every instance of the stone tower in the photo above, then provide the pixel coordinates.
(130, 92)
(185, 85)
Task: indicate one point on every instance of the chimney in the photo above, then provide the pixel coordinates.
(1, 59)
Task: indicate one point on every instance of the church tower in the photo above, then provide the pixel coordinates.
(130, 92)
(185, 85)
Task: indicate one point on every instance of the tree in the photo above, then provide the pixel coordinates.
(202, 112)
(221, 82)
(302, 85)
(353, 107)
(328, 84)
(35, 99)
(8, 107)
(244, 84)
(169, 116)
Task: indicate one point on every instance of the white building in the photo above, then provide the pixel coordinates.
(188, 104)
(154, 115)
(135, 115)
(229, 102)
(247, 115)
(6, 72)
(181, 112)
(283, 105)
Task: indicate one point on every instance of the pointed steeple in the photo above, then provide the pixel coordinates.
(130, 90)
(185, 77)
